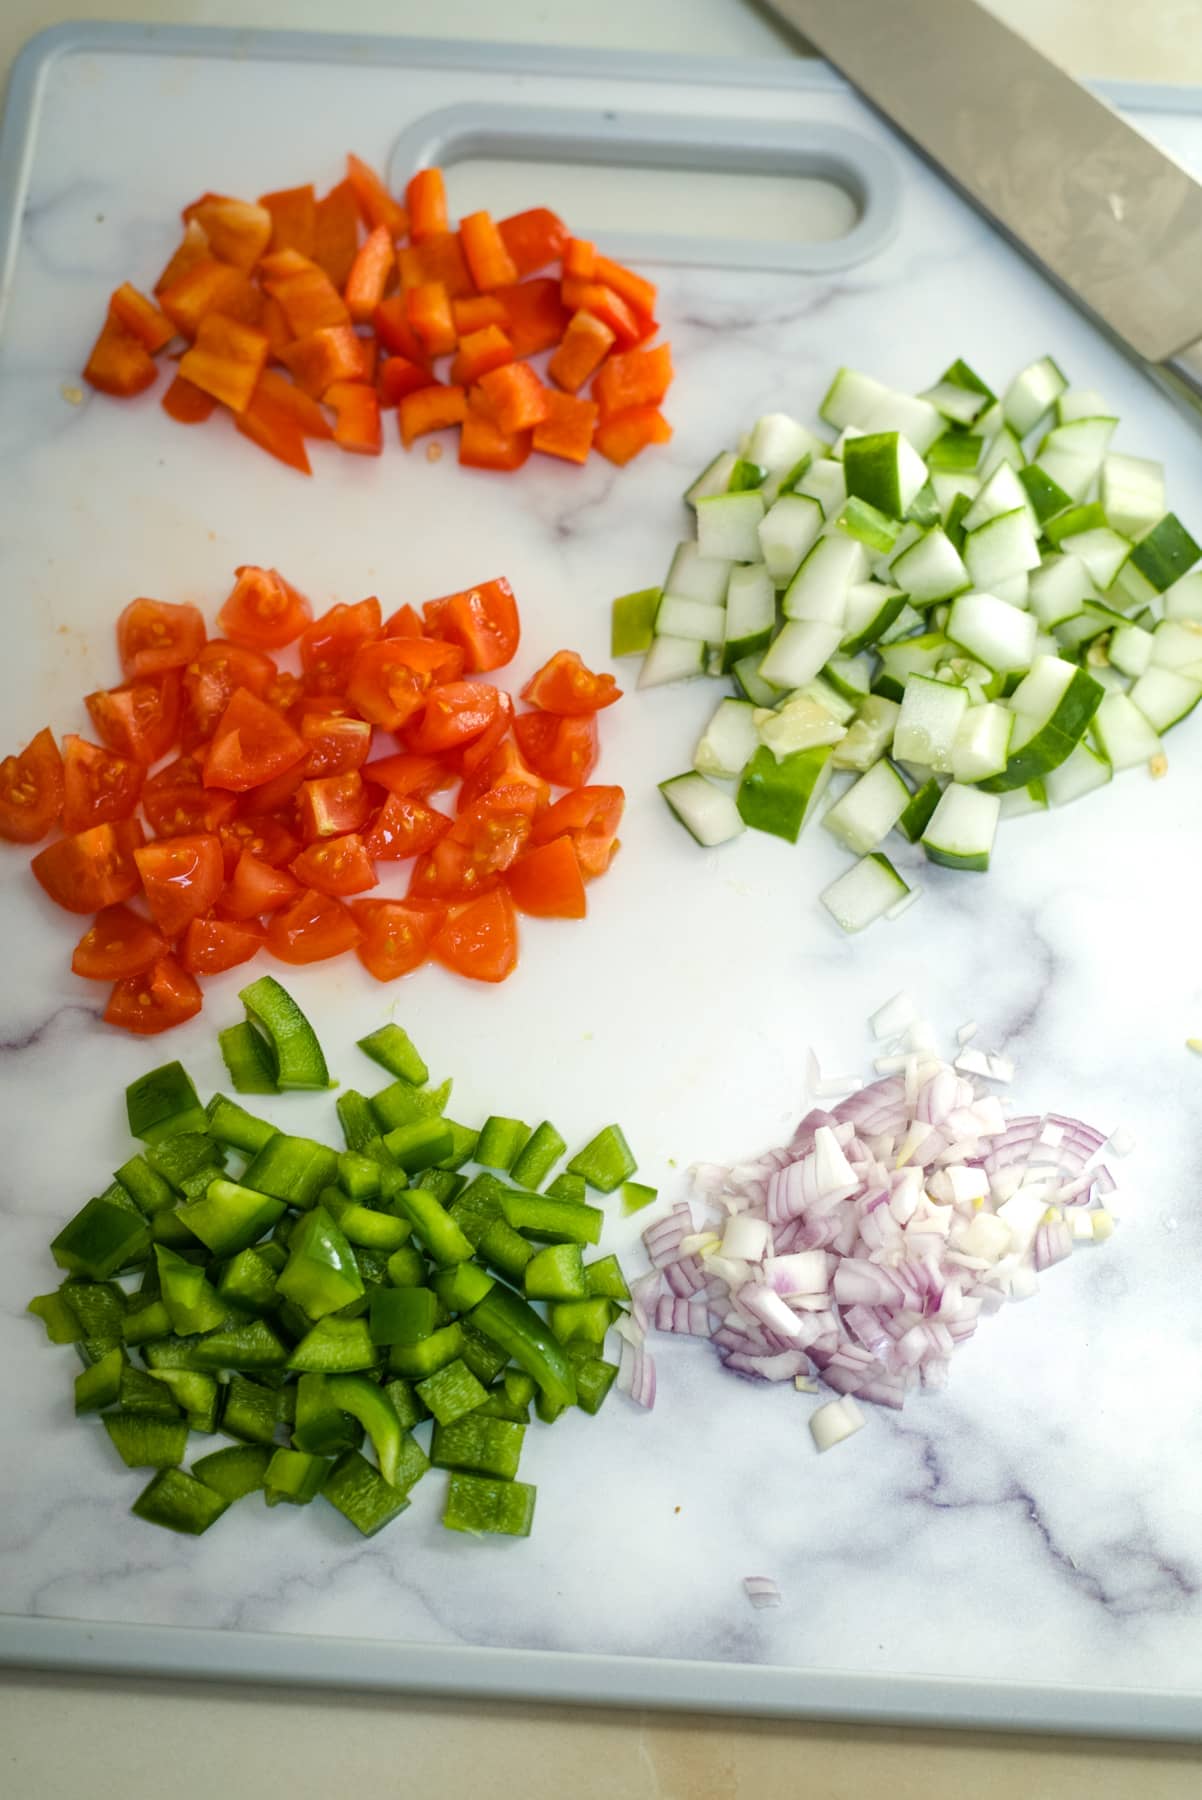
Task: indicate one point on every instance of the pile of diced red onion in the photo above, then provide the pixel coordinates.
(865, 1250)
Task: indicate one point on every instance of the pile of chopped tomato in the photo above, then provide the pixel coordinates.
(308, 318)
(230, 805)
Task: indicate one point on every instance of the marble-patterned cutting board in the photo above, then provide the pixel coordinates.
(1035, 1527)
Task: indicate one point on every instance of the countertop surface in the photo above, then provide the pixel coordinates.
(239, 1738)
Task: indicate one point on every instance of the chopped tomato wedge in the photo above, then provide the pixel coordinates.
(263, 610)
(405, 827)
(333, 804)
(92, 869)
(140, 719)
(590, 816)
(252, 744)
(164, 996)
(31, 790)
(211, 945)
(256, 888)
(563, 751)
(503, 768)
(481, 844)
(266, 838)
(482, 621)
(117, 943)
(98, 785)
(181, 878)
(397, 934)
(176, 801)
(404, 774)
(335, 744)
(480, 940)
(337, 865)
(311, 928)
(405, 622)
(565, 686)
(389, 680)
(211, 680)
(547, 882)
(276, 796)
(452, 715)
(155, 635)
(329, 645)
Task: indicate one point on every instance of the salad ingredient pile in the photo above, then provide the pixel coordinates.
(307, 319)
(300, 1299)
(961, 609)
(866, 1250)
(287, 793)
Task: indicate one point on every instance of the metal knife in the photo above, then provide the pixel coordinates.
(1112, 220)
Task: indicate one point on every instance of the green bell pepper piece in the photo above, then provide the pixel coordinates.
(62, 1327)
(146, 1187)
(516, 1328)
(320, 1426)
(606, 1160)
(298, 1055)
(252, 1411)
(505, 1250)
(103, 1237)
(321, 1274)
(451, 1392)
(361, 1494)
(477, 1505)
(553, 1221)
(556, 1273)
(463, 1145)
(636, 1195)
(402, 1315)
(145, 1320)
(294, 1169)
(433, 1226)
(162, 1103)
(335, 1347)
(294, 1476)
(248, 1281)
(197, 1393)
(231, 1124)
(589, 1319)
(358, 1121)
(428, 1355)
(372, 1407)
(358, 1175)
(230, 1217)
(366, 1226)
(235, 1471)
(419, 1144)
(568, 1187)
(393, 1049)
(250, 1344)
(403, 1104)
(177, 1501)
(407, 1267)
(146, 1443)
(175, 1158)
(539, 1156)
(594, 1378)
(462, 1287)
(484, 1358)
(479, 1444)
(411, 1409)
(605, 1278)
(192, 1303)
(100, 1385)
(248, 1059)
(501, 1142)
(140, 1393)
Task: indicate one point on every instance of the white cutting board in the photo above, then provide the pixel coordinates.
(1024, 1548)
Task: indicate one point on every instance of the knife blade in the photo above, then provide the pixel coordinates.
(1111, 219)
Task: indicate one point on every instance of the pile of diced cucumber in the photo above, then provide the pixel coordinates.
(969, 605)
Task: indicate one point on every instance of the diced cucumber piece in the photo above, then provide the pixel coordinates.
(778, 794)
(1177, 645)
(864, 816)
(907, 623)
(1132, 493)
(912, 417)
(750, 613)
(1080, 403)
(1123, 733)
(830, 699)
(1074, 474)
(1130, 649)
(850, 399)
(1004, 492)
(692, 576)
(803, 647)
(1046, 496)
(929, 722)
(922, 803)
(728, 741)
(713, 479)
(690, 619)
(884, 469)
(1013, 589)
(800, 723)
(728, 527)
(751, 683)
(1184, 599)
(823, 481)
(1079, 774)
(819, 589)
(1054, 705)
(1000, 549)
(956, 454)
(914, 655)
(962, 405)
(1164, 698)
(632, 622)
(955, 493)
(1020, 801)
(982, 742)
(865, 893)
(1004, 447)
(778, 443)
(1084, 440)
(867, 525)
(997, 634)
(708, 813)
(963, 375)
(787, 532)
(961, 830)
(850, 676)
(1158, 559)
(870, 609)
(837, 448)
(1031, 394)
(672, 659)
(1058, 590)
(868, 736)
(1102, 551)
(931, 569)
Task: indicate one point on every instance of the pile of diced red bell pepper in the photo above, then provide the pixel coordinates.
(288, 792)
(310, 318)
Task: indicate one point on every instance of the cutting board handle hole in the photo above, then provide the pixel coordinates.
(725, 193)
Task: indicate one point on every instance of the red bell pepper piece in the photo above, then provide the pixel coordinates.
(336, 232)
(141, 318)
(515, 396)
(431, 409)
(475, 311)
(483, 444)
(193, 248)
(333, 354)
(398, 377)
(376, 205)
(357, 423)
(533, 238)
(580, 259)
(426, 201)
(487, 258)
(604, 304)
(238, 230)
(226, 360)
(120, 363)
(437, 258)
(621, 436)
(429, 312)
(635, 378)
(308, 298)
(479, 352)
(293, 401)
(208, 286)
(567, 430)
(267, 424)
(535, 315)
(186, 404)
(637, 292)
(369, 276)
(390, 322)
(275, 327)
(293, 219)
(586, 344)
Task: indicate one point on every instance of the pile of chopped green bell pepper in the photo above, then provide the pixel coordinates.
(305, 1301)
